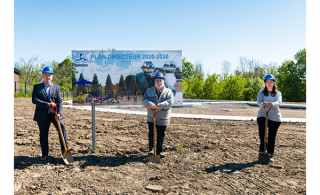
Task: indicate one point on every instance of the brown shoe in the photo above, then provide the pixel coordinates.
(68, 150)
(44, 158)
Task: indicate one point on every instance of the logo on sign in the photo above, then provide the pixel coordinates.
(81, 59)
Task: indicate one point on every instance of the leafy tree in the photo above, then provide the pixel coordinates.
(130, 82)
(31, 69)
(193, 88)
(232, 87)
(291, 78)
(74, 72)
(256, 84)
(198, 71)
(187, 69)
(63, 74)
(211, 87)
(248, 94)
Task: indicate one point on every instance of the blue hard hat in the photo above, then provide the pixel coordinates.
(159, 75)
(269, 76)
(47, 69)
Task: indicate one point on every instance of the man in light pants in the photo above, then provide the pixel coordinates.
(160, 99)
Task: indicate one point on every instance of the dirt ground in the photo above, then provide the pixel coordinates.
(218, 157)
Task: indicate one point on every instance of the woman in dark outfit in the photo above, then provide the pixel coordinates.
(269, 97)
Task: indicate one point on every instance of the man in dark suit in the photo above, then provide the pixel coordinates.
(44, 96)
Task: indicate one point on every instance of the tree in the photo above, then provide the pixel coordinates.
(291, 78)
(121, 83)
(232, 87)
(74, 72)
(226, 67)
(130, 82)
(81, 88)
(81, 76)
(187, 69)
(211, 87)
(193, 88)
(248, 94)
(95, 90)
(256, 84)
(63, 74)
(198, 71)
(108, 82)
(31, 69)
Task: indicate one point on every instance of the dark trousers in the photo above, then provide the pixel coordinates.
(44, 132)
(273, 127)
(160, 137)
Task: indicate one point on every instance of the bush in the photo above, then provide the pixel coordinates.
(248, 94)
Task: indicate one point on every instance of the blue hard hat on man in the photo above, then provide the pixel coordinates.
(47, 69)
(159, 75)
(269, 76)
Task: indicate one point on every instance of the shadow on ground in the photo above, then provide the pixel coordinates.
(230, 167)
(110, 161)
(22, 162)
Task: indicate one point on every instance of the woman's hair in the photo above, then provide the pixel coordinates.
(274, 90)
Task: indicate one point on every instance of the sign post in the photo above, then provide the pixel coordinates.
(93, 127)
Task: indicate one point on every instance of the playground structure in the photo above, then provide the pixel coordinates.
(83, 98)
(109, 99)
(128, 91)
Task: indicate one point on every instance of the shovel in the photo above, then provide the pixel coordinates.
(264, 158)
(154, 158)
(66, 156)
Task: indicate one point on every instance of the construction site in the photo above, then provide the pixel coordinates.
(210, 147)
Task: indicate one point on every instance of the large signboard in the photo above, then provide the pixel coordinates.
(122, 77)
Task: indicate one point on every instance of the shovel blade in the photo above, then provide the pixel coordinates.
(154, 159)
(67, 158)
(264, 159)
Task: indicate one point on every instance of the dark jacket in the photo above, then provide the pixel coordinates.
(41, 100)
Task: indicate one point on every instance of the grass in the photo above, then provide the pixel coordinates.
(19, 95)
(182, 150)
(97, 149)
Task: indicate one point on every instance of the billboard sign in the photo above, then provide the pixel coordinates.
(121, 77)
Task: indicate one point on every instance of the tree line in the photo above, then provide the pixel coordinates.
(247, 80)
(243, 83)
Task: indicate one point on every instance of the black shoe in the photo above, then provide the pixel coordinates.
(271, 158)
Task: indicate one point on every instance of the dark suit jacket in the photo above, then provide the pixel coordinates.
(41, 100)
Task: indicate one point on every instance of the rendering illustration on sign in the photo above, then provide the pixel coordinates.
(122, 77)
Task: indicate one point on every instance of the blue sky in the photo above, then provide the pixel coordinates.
(206, 31)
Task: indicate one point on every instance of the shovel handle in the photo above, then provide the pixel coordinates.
(59, 127)
(266, 129)
(154, 135)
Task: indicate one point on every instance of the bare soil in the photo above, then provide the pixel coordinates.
(217, 157)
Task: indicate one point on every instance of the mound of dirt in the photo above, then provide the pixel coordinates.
(202, 157)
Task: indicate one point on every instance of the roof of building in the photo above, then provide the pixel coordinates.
(17, 71)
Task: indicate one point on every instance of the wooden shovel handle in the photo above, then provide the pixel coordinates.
(59, 127)
(266, 130)
(62, 137)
